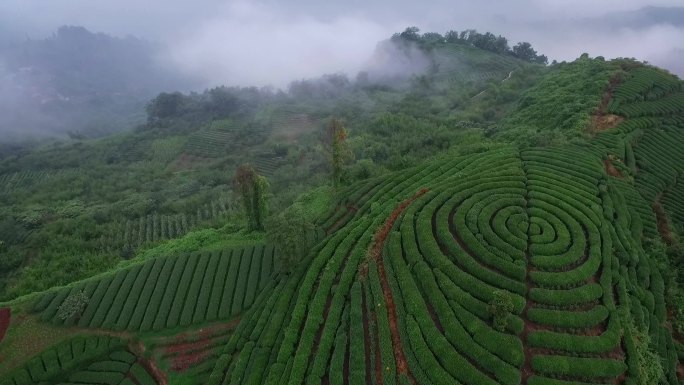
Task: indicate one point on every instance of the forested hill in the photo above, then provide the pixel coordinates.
(475, 217)
(80, 83)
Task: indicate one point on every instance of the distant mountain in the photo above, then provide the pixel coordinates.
(79, 82)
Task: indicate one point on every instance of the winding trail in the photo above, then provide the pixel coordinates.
(485, 90)
(375, 252)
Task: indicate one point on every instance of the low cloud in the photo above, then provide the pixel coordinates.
(262, 42)
(250, 44)
(657, 44)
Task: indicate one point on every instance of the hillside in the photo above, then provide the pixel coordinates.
(511, 224)
(76, 208)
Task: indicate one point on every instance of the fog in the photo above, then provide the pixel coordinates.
(266, 42)
(269, 42)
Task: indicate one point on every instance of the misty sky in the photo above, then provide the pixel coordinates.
(269, 42)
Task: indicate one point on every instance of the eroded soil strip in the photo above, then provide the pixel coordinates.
(5, 314)
(139, 350)
(375, 252)
(661, 218)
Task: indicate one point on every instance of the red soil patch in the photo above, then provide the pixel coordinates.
(605, 122)
(611, 170)
(661, 217)
(375, 252)
(5, 314)
(188, 349)
(602, 120)
(187, 346)
(184, 362)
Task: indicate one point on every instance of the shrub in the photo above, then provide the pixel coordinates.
(73, 305)
(500, 307)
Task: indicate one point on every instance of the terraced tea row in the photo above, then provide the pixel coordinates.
(84, 360)
(156, 227)
(326, 285)
(649, 146)
(644, 83)
(9, 183)
(169, 292)
(221, 138)
(545, 230)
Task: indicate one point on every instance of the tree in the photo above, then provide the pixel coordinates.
(73, 305)
(501, 45)
(338, 151)
(253, 188)
(432, 38)
(524, 51)
(292, 234)
(541, 59)
(165, 105)
(500, 307)
(411, 34)
(452, 37)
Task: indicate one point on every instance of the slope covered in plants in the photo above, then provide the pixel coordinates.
(528, 265)
(539, 245)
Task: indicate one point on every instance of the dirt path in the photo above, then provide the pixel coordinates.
(139, 350)
(601, 120)
(508, 77)
(5, 315)
(375, 252)
(485, 90)
(611, 169)
(661, 218)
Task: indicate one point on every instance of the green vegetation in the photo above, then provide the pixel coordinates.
(546, 226)
(500, 308)
(253, 189)
(502, 233)
(92, 360)
(73, 305)
(292, 234)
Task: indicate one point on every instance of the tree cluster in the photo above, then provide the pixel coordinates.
(338, 151)
(216, 103)
(292, 233)
(253, 188)
(486, 41)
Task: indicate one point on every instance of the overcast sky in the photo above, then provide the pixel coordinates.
(269, 42)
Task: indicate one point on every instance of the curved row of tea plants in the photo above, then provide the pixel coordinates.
(83, 360)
